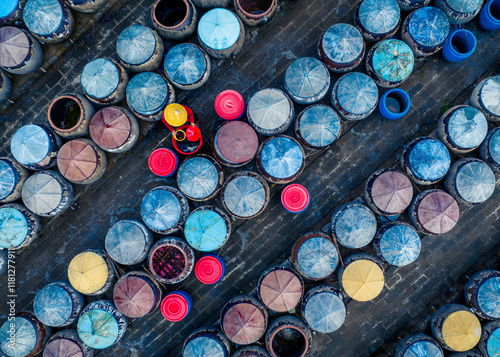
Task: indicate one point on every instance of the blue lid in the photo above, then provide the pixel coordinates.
(342, 43)
(493, 343)
(100, 78)
(489, 95)
(306, 78)
(136, 44)
(464, 6)
(325, 312)
(53, 305)
(4, 261)
(198, 177)
(467, 127)
(379, 16)
(355, 226)
(185, 64)
(475, 182)
(488, 297)
(219, 29)
(25, 339)
(30, 144)
(147, 93)
(205, 230)
(43, 17)
(399, 245)
(204, 346)
(42, 193)
(494, 146)
(429, 26)
(319, 125)
(13, 227)
(161, 210)
(7, 7)
(317, 257)
(98, 329)
(281, 157)
(429, 160)
(244, 196)
(7, 179)
(423, 349)
(357, 93)
(125, 242)
(393, 60)
(269, 109)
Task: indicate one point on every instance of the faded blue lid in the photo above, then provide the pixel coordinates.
(4, 261)
(494, 146)
(325, 312)
(42, 193)
(319, 125)
(379, 16)
(136, 44)
(464, 6)
(393, 60)
(475, 182)
(357, 93)
(205, 230)
(306, 78)
(269, 109)
(30, 144)
(198, 177)
(147, 93)
(13, 227)
(7, 7)
(467, 127)
(125, 242)
(317, 257)
(25, 339)
(219, 29)
(342, 43)
(43, 17)
(489, 95)
(355, 226)
(7, 179)
(161, 210)
(204, 346)
(399, 245)
(281, 157)
(429, 160)
(493, 343)
(244, 196)
(98, 329)
(185, 64)
(100, 78)
(488, 297)
(423, 349)
(429, 26)
(53, 305)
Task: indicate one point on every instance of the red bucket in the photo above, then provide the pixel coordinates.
(229, 105)
(163, 162)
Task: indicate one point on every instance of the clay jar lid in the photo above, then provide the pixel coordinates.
(133, 296)
(461, 330)
(236, 142)
(110, 128)
(243, 320)
(62, 347)
(391, 192)
(77, 160)
(437, 211)
(88, 272)
(14, 46)
(280, 289)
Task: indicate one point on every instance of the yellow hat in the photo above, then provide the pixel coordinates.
(461, 331)
(175, 114)
(363, 280)
(87, 272)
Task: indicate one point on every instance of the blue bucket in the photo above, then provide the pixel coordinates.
(489, 17)
(394, 104)
(459, 45)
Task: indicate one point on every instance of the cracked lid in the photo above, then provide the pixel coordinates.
(282, 157)
(42, 192)
(185, 64)
(136, 44)
(357, 93)
(43, 17)
(110, 128)
(98, 328)
(205, 230)
(379, 16)
(219, 29)
(429, 160)
(77, 160)
(393, 60)
(147, 93)
(342, 43)
(306, 78)
(87, 272)
(100, 78)
(30, 144)
(13, 227)
(14, 46)
(280, 290)
(198, 177)
(429, 26)
(399, 245)
(53, 305)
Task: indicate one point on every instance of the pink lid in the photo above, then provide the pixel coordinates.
(14, 46)
(237, 142)
(110, 127)
(438, 212)
(77, 160)
(295, 198)
(392, 192)
(133, 296)
(163, 162)
(229, 105)
(280, 290)
(244, 323)
(209, 270)
(174, 307)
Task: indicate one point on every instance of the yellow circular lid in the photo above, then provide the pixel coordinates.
(363, 280)
(87, 272)
(461, 331)
(175, 114)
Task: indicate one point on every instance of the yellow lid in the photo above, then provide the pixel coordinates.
(363, 280)
(461, 331)
(175, 114)
(87, 272)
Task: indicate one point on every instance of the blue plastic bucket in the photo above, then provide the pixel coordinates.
(459, 45)
(489, 17)
(394, 104)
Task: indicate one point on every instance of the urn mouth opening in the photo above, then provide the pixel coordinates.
(256, 8)
(171, 13)
(289, 341)
(65, 113)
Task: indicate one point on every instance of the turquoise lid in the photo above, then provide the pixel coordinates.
(423, 349)
(125, 242)
(342, 43)
(475, 181)
(198, 178)
(43, 17)
(281, 157)
(98, 329)
(317, 257)
(325, 312)
(306, 78)
(379, 16)
(393, 60)
(429, 26)
(53, 305)
(244, 196)
(147, 93)
(13, 227)
(494, 146)
(399, 245)
(185, 64)
(7, 179)
(357, 93)
(488, 297)
(429, 160)
(493, 343)
(467, 127)
(205, 230)
(161, 210)
(136, 44)
(204, 346)
(319, 125)
(7, 7)
(30, 144)
(219, 29)
(25, 338)
(100, 78)
(464, 6)
(355, 226)
(489, 95)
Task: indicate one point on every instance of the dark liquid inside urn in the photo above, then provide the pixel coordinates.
(169, 262)
(495, 9)
(459, 44)
(255, 7)
(289, 343)
(65, 113)
(171, 12)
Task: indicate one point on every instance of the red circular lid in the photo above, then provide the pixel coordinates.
(174, 307)
(229, 104)
(110, 127)
(163, 162)
(295, 198)
(237, 142)
(193, 133)
(208, 270)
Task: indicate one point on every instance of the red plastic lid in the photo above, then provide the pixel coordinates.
(174, 307)
(208, 270)
(229, 105)
(163, 162)
(295, 198)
